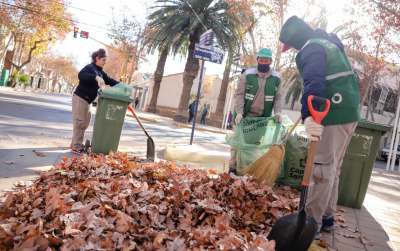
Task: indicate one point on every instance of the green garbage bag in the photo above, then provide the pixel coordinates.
(295, 155)
(252, 139)
(120, 89)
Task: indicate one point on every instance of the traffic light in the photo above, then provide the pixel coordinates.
(76, 29)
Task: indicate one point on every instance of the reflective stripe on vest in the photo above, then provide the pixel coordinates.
(269, 98)
(249, 96)
(338, 75)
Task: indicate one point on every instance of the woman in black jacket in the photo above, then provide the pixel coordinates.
(91, 77)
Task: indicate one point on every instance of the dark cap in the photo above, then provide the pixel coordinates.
(295, 33)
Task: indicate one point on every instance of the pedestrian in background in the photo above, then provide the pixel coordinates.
(203, 116)
(91, 77)
(136, 102)
(229, 126)
(192, 106)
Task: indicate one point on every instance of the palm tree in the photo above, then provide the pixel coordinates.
(192, 18)
(294, 91)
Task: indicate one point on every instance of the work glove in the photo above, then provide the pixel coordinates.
(238, 118)
(278, 116)
(313, 129)
(100, 81)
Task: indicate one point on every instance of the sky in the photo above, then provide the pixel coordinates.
(96, 24)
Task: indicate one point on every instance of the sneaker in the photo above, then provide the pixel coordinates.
(79, 152)
(232, 169)
(328, 225)
(318, 235)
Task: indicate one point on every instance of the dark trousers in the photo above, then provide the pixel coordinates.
(191, 115)
(203, 119)
(136, 103)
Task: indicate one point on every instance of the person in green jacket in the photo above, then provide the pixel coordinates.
(258, 91)
(326, 72)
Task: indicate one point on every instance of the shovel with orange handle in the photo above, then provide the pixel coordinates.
(295, 232)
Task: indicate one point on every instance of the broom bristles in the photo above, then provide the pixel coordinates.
(268, 166)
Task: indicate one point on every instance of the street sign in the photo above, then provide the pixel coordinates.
(206, 38)
(84, 34)
(146, 89)
(208, 53)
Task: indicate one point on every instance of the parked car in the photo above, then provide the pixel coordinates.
(385, 153)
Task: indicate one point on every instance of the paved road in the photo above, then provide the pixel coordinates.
(43, 122)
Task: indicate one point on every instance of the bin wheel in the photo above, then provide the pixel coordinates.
(87, 145)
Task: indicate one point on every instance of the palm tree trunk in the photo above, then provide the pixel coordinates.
(190, 73)
(224, 87)
(158, 75)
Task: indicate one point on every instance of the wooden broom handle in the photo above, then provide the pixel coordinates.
(293, 127)
(310, 162)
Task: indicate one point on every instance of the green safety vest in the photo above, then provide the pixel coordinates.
(341, 87)
(271, 86)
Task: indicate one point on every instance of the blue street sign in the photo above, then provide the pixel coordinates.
(206, 38)
(146, 89)
(208, 53)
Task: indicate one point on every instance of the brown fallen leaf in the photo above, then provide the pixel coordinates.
(39, 153)
(342, 210)
(364, 240)
(342, 225)
(354, 231)
(8, 162)
(322, 243)
(158, 240)
(42, 134)
(21, 155)
(340, 218)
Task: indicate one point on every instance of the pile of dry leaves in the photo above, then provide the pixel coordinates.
(111, 203)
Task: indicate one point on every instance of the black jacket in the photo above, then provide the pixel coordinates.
(88, 86)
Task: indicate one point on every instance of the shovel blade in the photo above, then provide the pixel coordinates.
(294, 232)
(151, 149)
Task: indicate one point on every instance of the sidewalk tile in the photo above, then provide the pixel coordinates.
(380, 242)
(362, 213)
(396, 245)
(349, 211)
(394, 238)
(349, 241)
(346, 244)
(350, 219)
(371, 225)
(377, 248)
(377, 233)
(366, 218)
(393, 231)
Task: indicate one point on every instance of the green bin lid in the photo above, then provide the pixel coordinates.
(117, 97)
(372, 125)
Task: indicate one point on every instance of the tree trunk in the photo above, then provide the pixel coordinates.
(190, 73)
(158, 75)
(219, 113)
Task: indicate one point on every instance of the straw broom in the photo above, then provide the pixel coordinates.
(267, 167)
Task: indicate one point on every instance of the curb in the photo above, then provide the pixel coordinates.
(195, 154)
(142, 118)
(198, 128)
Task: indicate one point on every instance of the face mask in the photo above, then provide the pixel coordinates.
(263, 68)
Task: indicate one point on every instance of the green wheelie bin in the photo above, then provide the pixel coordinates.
(358, 163)
(108, 123)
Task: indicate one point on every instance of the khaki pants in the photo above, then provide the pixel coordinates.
(81, 115)
(323, 190)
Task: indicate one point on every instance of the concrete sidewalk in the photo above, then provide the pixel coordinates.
(152, 117)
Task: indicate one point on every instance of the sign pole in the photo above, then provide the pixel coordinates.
(197, 102)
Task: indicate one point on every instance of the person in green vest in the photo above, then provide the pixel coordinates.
(326, 72)
(258, 91)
